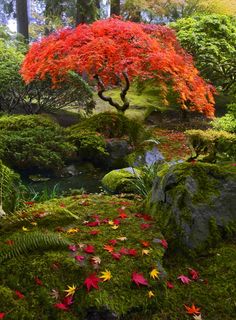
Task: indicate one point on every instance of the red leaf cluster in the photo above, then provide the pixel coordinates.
(109, 47)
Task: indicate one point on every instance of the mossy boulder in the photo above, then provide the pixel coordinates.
(62, 242)
(121, 180)
(195, 203)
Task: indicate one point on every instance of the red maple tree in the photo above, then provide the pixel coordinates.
(112, 49)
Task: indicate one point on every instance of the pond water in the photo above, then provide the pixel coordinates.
(87, 179)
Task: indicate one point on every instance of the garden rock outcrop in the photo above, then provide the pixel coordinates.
(195, 203)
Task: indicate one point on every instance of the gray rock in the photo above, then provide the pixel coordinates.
(118, 150)
(189, 198)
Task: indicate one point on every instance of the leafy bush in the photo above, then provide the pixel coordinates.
(211, 40)
(228, 122)
(212, 145)
(90, 145)
(38, 95)
(34, 143)
(113, 125)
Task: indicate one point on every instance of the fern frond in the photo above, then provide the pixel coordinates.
(31, 242)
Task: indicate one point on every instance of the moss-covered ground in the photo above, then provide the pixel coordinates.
(61, 243)
(45, 248)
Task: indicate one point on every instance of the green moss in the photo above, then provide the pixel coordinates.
(112, 125)
(214, 292)
(89, 144)
(57, 269)
(194, 183)
(34, 142)
(120, 180)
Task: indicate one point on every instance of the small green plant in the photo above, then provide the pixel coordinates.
(144, 181)
(227, 122)
(31, 242)
(212, 145)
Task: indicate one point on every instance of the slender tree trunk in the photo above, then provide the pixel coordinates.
(22, 18)
(115, 7)
(87, 11)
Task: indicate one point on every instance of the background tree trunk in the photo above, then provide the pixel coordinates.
(87, 11)
(22, 18)
(115, 7)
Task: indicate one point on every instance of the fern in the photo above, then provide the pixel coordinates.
(7, 180)
(35, 241)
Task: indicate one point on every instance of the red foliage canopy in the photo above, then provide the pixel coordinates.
(109, 47)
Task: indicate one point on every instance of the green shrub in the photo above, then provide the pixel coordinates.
(228, 122)
(34, 143)
(15, 95)
(112, 125)
(212, 145)
(89, 144)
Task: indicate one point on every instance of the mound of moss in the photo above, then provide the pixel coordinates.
(34, 142)
(112, 125)
(121, 180)
(63, 242)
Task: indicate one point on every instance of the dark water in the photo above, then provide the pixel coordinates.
(89, 180)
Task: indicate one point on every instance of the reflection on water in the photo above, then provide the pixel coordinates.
(89, 180)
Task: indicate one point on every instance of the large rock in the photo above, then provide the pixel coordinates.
(121, 180)
(195, 203)
(118, 149)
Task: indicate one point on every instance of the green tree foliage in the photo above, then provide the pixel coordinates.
(171, 10)
(15, 95)
(211, 40)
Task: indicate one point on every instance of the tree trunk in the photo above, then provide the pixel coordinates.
(86, 11)
(115, 7)
(22, 18)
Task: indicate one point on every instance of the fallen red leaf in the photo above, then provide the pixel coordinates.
(124, 251)
(89, 249)
(61, 306)
(169, 285)
(184, 279)
(72, 247)
(116, 222)
(113, 242)
(194, 274)
(108, 248)
(94, 232)
(164, 243)
(132, 252)
(19, 294)
(38, 281)
(144, 226)
(145, 243)
(93, 224)
(92, 282)
(2, 315)
(138, 279)
(192, 310)
(116, 255)
(79, 258)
